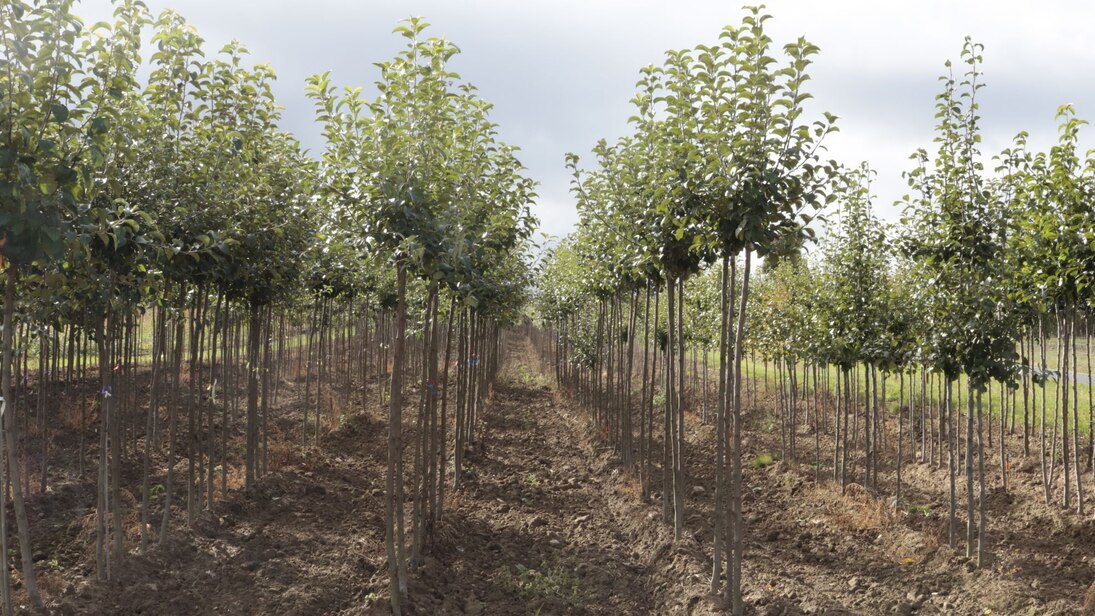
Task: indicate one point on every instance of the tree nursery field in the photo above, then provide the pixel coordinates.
(240, 377)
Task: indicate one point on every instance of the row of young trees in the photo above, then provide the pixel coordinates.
(167, 237)
(957, 301)
(722, 168)
(420, 174)
(964, 292)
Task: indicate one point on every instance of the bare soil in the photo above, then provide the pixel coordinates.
(549, 523)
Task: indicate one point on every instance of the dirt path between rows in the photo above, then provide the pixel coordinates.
(533, 532)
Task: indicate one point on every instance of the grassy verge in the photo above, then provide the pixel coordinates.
(993, 406)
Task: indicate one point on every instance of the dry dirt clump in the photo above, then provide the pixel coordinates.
(1088, 608)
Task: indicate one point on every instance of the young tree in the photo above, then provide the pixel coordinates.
(60, 90)
(1053, 192)
(954, 229)
(769, 176)
(857, 267)
(418, 174)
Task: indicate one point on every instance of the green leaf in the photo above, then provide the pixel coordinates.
(60, 112)
(99, 126)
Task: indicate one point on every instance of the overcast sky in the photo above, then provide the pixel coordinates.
(561, 72)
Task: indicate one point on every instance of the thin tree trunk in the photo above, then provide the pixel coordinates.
(30, 580)
(738, 528)
(393, 503)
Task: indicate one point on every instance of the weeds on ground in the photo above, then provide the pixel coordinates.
(858, 510)
(523, 375)
(763, 460)
(630, 487)
(536, 585)
(921, 510)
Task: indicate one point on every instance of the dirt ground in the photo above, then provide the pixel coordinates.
(549, 523)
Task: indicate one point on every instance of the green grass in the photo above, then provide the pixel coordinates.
(921, 510)
(144, 347)
(1052, 345)
(1084, 392)
(523, 375)
(763, 460)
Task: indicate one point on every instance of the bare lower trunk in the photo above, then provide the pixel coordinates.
(30, 581)
(738, 530)
(393, 503)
